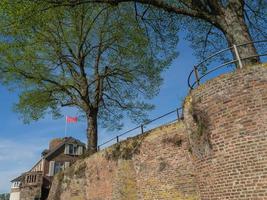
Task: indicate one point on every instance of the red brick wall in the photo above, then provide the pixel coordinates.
(160, 167)
(235, 106)
(224, 159)
(164, 168)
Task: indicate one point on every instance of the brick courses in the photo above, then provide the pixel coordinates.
(165, 166)
(236, 106)
(161, 169)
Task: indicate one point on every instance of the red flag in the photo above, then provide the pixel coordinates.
(71, 119)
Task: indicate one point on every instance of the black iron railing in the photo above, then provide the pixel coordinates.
(195, 76)
(142, 127)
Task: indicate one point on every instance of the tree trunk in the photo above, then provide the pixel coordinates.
(236, 32)
(92, 135)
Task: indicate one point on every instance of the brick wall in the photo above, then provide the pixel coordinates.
(218, 152)
(31, 192)
(154, 166)
(235, 109)
(164, 168)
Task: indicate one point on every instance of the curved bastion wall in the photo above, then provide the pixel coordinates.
(219, 151)
(230, 149)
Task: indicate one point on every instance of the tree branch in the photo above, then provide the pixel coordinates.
(156, 3)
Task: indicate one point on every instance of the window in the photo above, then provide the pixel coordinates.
(58, 167)
(75, 150)
(51, 168)
(71, 149)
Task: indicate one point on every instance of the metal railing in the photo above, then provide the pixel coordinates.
(179, 116)
(197, 76)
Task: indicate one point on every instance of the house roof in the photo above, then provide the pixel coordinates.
(36, 164)
(19, 178)
(71, 140)
(45, 152)
(66, 140)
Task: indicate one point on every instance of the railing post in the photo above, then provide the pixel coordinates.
(177, 110)
(182, 117)
(196, 74)
(117, 138)
(238, 56)
(142, 128)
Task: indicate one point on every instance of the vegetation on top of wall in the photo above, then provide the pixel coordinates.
(124, 150)
(175, 140)
(199, 137)
(264, 65)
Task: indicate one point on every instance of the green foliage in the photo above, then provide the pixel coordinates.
(97, 58)
(176, 140)
(124, 150)
(200, 144)
(39, 100)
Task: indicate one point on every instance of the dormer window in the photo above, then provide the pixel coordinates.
(73, 149)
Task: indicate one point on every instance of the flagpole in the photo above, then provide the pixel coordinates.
(65, 126)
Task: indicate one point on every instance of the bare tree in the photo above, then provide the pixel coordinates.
(231, 17)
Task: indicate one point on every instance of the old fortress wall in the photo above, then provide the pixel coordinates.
(218, 151)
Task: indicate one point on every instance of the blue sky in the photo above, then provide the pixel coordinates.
(21, 144)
